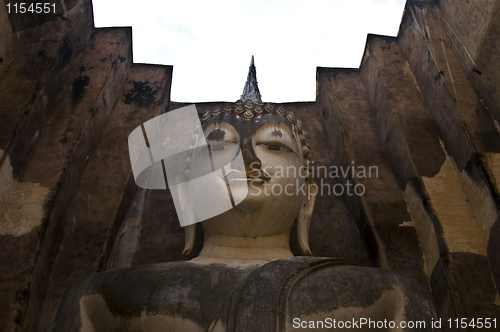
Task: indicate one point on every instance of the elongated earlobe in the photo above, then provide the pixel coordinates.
(304, 219)
(190, 234)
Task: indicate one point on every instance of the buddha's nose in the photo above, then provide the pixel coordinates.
(251, 161)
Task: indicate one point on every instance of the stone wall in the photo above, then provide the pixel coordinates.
(69, 98)
(423, 108)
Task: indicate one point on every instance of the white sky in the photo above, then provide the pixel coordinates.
(210, 43)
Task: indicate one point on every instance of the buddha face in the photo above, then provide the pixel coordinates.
(273, 174)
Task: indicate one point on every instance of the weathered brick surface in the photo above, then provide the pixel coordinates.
(92, 213)
(383, 202)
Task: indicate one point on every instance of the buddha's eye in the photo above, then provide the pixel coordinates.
(274, 147)
(217, 147)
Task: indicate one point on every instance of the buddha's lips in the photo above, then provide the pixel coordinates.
(258, 174)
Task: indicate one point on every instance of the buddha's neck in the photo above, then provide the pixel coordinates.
(242, 251)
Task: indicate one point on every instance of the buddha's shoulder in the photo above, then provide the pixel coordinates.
(319, 276)
(169, 293)
(182, 274)
(349, 280)
(314, 286)
(184, 288)
(338, 271)
(332, 281)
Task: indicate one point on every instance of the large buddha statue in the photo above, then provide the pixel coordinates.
(246, 278)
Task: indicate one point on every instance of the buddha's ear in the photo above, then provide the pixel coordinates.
(304, 217)
(190, 234)
(180, 196)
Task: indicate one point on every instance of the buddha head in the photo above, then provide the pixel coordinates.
(274, 181)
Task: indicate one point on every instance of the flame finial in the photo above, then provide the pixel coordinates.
(251, 89)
